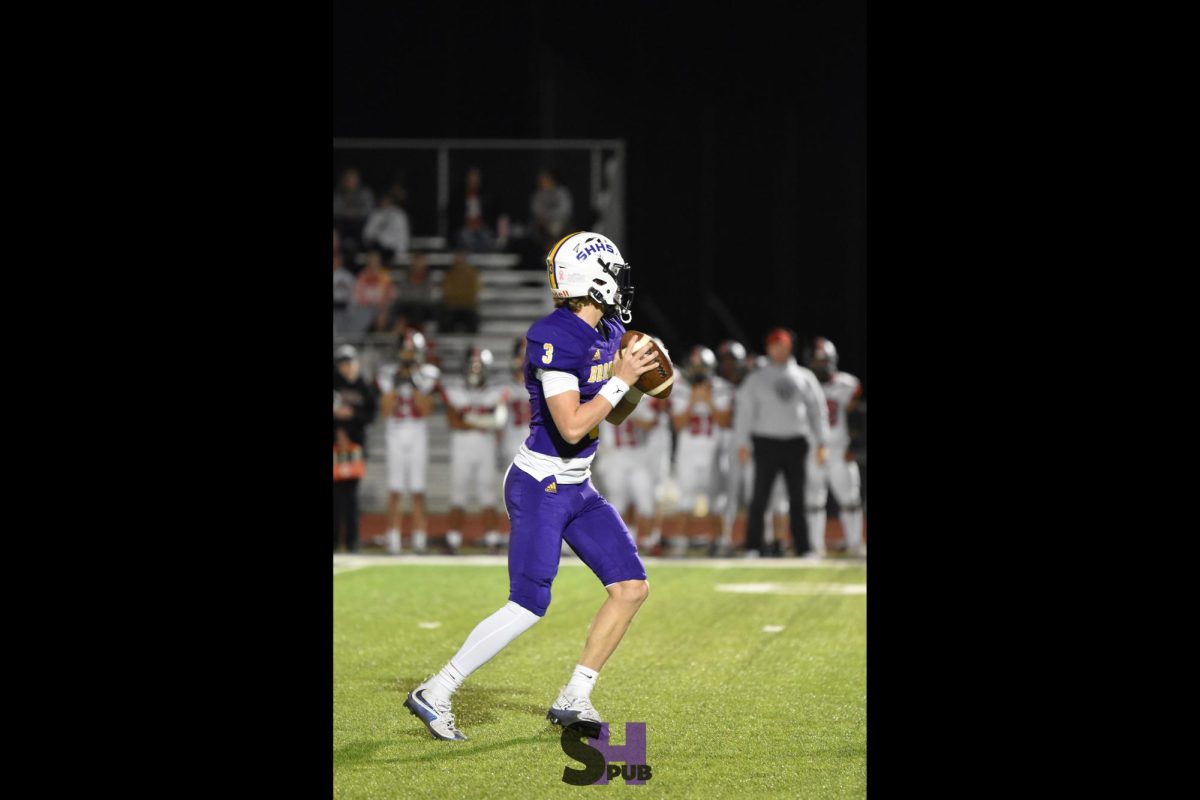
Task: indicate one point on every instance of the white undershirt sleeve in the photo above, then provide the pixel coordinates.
(556, 382)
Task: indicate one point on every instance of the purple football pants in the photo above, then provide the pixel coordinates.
(541, 519)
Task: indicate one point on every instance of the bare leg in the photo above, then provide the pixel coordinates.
(418, 502)
(393, 510)
(611, 621)
(417, 533)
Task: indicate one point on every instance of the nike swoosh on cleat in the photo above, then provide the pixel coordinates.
(422, 708)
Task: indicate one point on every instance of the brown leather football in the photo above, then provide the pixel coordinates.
(658, 381)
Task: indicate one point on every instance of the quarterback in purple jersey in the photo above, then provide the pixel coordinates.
(577, 377)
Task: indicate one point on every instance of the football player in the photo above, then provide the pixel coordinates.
(477, 413)
(732, 480)
(840, 470)
(624, 466)
(701, 407)
(407, 392)
(576, 376)
(517, 399)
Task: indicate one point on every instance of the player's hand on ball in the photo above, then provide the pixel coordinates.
(821, 453)
(743, 454)
(631, 367)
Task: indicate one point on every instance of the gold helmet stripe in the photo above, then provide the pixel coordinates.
(550, 259)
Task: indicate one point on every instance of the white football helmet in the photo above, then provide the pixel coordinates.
(822, 358)
(586, 264)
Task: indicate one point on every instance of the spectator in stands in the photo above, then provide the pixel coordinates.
(343, 293)
(474, 236)
(460, 296)
(474, 201)
(352, 204)
(374, 292)
(503, 229)
(550, 209)
(354, 406)
(387, 229)
(415, 300)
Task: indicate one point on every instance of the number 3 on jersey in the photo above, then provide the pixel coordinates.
(549, 348)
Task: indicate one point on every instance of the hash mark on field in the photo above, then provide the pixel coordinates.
(772, 628)
(429, 625)
(792, 588)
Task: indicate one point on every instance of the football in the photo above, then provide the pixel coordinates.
(657, 382)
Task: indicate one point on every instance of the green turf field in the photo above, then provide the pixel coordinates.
(730, 710)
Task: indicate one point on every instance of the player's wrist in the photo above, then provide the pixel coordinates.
(613, 390)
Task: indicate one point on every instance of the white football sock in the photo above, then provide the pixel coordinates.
(454, 539)
(489, 638)
(816, 529)
(418, 540)
(852, 525)
(445, 683)
(581, 683)
(393, 541)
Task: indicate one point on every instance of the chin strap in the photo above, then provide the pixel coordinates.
(626, 316)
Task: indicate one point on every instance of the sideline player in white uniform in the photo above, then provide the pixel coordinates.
(658, 453)
(516, 398)
(477, 413)
(701, 406)
(624, 465)
(407, 391)
(840, 470)
(733, 485)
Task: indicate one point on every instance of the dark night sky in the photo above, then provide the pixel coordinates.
(773, 220)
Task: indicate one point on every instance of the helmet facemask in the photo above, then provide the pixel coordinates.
(823, 360)
(622, 304)
(478, 363)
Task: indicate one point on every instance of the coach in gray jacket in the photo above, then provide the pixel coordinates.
(779, 406)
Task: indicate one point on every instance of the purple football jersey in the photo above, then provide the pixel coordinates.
(562, 341)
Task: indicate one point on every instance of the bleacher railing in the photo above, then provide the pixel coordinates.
(433, 173)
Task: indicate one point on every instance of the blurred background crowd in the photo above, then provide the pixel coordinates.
(432, 293)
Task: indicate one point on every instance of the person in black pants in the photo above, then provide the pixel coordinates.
(345, 505)
(353, 409)
(771, 456)
(779, 407)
